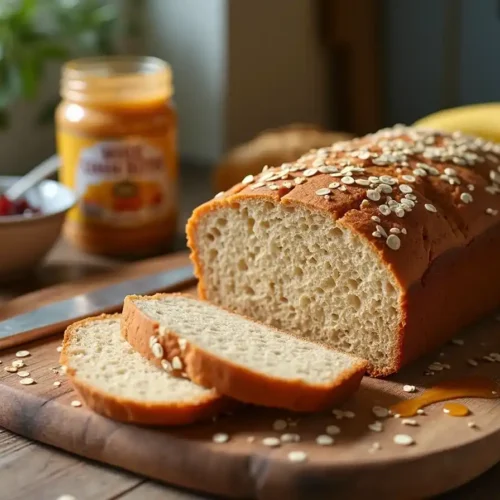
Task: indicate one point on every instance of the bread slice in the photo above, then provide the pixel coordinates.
(240, 358)
(115, 381)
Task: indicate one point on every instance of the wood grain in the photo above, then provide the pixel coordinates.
(447, 452)
(483, 488)
(58, 475)
(155, 491)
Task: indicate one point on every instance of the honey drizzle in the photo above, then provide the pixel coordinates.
(470, 387)
(456, 409)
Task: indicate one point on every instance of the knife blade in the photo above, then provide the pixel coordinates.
(47, 319)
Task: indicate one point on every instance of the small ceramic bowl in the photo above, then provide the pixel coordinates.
(24, 240)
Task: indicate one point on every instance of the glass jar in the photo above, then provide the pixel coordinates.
(116, 133)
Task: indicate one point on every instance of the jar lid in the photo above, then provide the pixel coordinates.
(113, 79)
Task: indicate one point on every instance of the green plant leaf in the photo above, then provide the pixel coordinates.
(52, 51)
(11, 84)
(36, 32)
(30, 68)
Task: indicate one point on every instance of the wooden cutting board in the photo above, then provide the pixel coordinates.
(447, 452)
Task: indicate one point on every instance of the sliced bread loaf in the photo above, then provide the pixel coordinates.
(115, 381)
(243, 359)
(382, 247)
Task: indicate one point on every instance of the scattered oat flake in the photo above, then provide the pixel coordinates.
(157, 350)
(76, 404)
(290, 438)
(280, 425)
(409, 421)
(66, 497)
(220, 437)
(472, 425)
(393, 242)
(409, 388)
(457, 341)
(23, 374)
(22, 354)
(436, 367)
(403, 440)
(338, 413)
(59, 348)
(272, 442)
(375, 447)
(472, 362)
(27, 381)
(376, 426)
(380, 411)
(18, 363)
(57, 383)
(10, 369)
(420, 411)
(177, 363)
(332, 430)
(349, 414)
(297, 456)
(324, 440)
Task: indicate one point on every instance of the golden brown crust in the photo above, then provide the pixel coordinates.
(271, 147)
(422, 267)
(230, 379)
(139, 412)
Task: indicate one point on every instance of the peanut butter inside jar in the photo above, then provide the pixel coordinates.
(116, 137)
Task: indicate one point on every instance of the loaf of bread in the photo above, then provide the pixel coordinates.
(383, 246)
(271, 147)
(115, 381)
(240, 358)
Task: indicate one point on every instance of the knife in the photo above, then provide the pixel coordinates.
(47, 319)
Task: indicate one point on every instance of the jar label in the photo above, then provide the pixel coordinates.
(123, 183)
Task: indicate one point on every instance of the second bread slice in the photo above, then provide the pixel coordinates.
(238, 357)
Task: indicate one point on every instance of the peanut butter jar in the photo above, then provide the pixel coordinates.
(116, 130)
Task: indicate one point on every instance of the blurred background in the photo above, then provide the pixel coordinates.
(256, 82)
(244, 66)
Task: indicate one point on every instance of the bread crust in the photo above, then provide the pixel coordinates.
(231, 379)
(129, 410)
(443, 256)
(271, 147)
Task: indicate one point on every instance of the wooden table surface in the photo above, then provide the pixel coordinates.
(29, 470)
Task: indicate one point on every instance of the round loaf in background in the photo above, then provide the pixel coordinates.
(272, 147)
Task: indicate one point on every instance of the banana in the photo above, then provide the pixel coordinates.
(482, 120)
